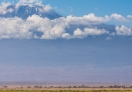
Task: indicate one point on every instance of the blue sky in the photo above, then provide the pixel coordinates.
(88, 47)
(83, 7)
(98, 7)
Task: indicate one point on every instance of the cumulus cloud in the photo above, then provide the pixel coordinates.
(14, 28)
(50, 29)
(78, 33)
(66, 36)
(118, 17)
(87, 19)
(4, 8)
(123, 30)
(47, 8)
(23, 29)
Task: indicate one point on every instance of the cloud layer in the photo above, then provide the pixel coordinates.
(50, 29)
(3, 8)
(36, 27)
(122, 30)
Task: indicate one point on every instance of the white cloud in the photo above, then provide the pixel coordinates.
(91, 17)
(56, 28)
(66, 36)
(112, 34)
(78, 33)
(30, 1)
(118, 17)
(50, 29)
(87, 19)
(14, 28)
(3, 8)
(108, 38)
(47, 8)
(58, 10)
(122, 30)
(129, 16)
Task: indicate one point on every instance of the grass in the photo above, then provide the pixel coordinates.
(65, 91)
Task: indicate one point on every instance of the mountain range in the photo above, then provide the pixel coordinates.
(24, 11)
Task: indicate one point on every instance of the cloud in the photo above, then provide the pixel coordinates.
(53, 29)
(45, 8)
(123, 30)
(108, 38)
(78, 33)
(66, 36)
(58, 10)
(37, 27)
(23, 29)
(30, 1)
(118, 17)
(129, 16)
(14, 28)
(3, 8)
(50, 29)
(87, 19)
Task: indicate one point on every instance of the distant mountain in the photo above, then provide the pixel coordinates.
(24, 11)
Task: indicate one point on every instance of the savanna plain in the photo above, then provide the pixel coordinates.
(100, 90)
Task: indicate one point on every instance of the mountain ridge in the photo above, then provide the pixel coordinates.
(24, 11)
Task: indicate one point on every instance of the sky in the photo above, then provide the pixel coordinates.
(98, 7)
(90, 43)
(83, 7)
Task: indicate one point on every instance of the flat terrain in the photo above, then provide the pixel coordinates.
(66, 90)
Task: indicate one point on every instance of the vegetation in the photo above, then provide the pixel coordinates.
(82, 88)
(65, 91)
